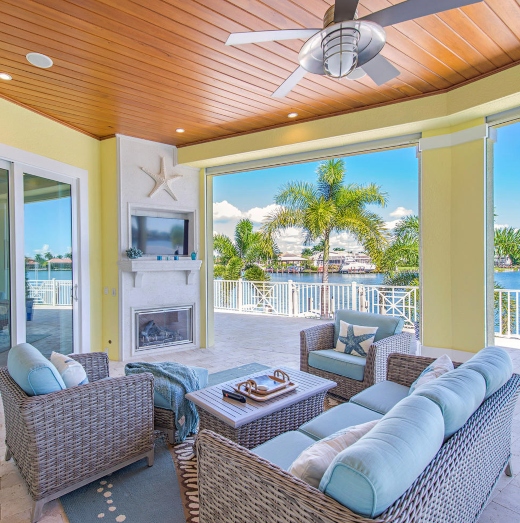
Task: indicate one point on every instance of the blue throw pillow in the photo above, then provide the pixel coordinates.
(32, 371)
(355, 339)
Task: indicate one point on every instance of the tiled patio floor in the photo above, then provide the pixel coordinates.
(241, 339)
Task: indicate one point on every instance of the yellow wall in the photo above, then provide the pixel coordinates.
(34, 133)
(453, 190)
(453, 219)
(109, 238)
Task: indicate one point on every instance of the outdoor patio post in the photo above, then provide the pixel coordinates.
(290, 298)
(354, 296)
(240, 294)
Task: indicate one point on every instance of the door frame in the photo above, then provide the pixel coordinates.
(23, 161)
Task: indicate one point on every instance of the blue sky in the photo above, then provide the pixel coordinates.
(251, 194)
(507, 176)
(48, 227)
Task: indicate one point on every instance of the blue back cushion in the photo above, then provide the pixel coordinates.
(458, 394)
(494, 364)
(386, 325)
(372, 474)
(32, 371)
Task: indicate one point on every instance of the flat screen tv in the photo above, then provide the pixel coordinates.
(163, 236)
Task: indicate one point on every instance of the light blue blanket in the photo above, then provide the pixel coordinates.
(173, 381)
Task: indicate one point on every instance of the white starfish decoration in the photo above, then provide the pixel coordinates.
(161, 180)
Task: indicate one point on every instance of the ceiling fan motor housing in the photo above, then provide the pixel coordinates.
(372, 38)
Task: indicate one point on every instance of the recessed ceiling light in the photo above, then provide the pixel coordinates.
(292, 115)
(179, 130)
(39, 60)
(5, 76)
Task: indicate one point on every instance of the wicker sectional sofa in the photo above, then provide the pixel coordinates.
(239, 485)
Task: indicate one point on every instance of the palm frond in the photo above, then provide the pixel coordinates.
(224, 248)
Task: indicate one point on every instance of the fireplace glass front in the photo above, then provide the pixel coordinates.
(159, 328)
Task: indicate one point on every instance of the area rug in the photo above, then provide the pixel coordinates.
(135, 494)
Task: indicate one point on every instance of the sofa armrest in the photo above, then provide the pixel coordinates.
(232, 481)
(319, 337)
(377, 357)
(94, 363)
(78, 432)
(405, 368)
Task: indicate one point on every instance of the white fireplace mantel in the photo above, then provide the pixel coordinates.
(139, 267)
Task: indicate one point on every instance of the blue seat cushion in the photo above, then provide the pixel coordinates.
(160, 401)
(32, 371)
(386, 325)
(338, 363)
(494, 364)
(338, 418)
(372, 474)
(458, 394)
(284, 449)
(381, 397)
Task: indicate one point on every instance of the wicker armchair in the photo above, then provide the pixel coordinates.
(64, 440)
(321, 337)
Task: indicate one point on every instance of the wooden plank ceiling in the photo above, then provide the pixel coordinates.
(146, 67)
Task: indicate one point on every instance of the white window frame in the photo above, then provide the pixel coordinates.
(21, 162)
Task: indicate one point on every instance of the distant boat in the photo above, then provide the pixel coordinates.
(357, 268)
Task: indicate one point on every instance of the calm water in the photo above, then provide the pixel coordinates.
(508, 280)
(42, 274)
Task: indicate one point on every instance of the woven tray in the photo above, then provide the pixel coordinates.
(249, 393)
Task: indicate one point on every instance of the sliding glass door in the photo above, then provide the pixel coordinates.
(5, 282)
(48, 264)
(40, 260)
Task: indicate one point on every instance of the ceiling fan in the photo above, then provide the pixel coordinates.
(347, 46)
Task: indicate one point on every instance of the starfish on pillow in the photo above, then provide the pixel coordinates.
(353, 342)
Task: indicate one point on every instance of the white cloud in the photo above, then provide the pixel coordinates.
(45, 248)
(259, 214)
(499, 226)
(401, 212)
(225, 211)
(391, 224)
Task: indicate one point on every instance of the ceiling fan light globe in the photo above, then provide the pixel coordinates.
(340, 52)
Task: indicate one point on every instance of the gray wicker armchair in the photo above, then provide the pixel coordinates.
(64, 440)
(321, 337)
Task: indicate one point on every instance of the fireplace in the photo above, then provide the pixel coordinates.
(164, 327)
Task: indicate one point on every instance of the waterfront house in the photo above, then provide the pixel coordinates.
(129, 110)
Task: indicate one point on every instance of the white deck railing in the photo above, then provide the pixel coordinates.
(50, 292)
(507, 315)
(304, 299)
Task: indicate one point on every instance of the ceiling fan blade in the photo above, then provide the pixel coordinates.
(414, 9)
(290, 83)
(345, 10)
(380, 70)
(254, 37)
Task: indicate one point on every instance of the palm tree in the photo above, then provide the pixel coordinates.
(245, 251)
(507, 243)
(330, 206)
(400, 261)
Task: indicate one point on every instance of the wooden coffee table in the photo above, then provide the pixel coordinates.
(252, 423)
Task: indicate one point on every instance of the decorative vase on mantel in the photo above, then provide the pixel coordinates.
(133, 253)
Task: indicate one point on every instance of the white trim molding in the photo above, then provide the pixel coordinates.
(479, 132)
(317, 155)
